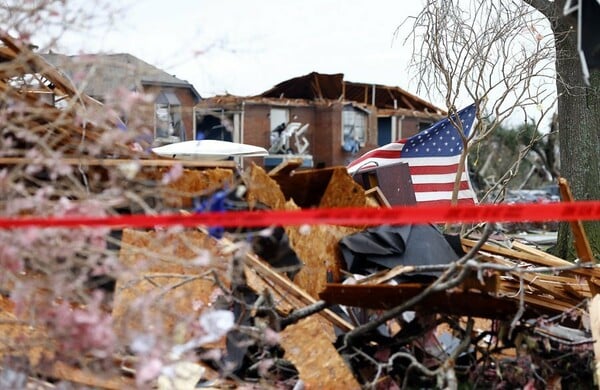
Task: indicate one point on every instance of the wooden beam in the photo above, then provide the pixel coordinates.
(452, 302)
(582, 244)
(533, 280)
(262, 268)
(107, 162)
(40, 65)
(407, 102)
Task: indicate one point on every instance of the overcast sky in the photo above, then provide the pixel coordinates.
(246, 47)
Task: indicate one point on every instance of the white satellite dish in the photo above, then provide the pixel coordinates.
(208, 149)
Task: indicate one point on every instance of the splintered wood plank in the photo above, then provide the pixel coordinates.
(291, 288)
(284, 302)
(287, 166)
(548, 304)
(385, 275)
(118, 162)
(594, 310)
(533, 280)
(532, 255)
(319, 364)
(582, 244)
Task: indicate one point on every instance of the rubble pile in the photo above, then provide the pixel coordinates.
(318, 306)
(333, 306)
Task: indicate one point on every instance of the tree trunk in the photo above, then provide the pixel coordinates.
(579, 130)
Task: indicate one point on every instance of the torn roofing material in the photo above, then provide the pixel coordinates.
(318, 86)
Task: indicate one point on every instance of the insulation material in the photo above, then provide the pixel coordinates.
(318, 362)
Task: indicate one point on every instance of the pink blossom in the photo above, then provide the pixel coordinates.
(270, 337)
(10, 260)
(173, 174)
(148, 370)
(85, 330)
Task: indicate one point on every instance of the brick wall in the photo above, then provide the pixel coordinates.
(186, 98)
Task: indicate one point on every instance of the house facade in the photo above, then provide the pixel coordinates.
(167, 111)
(338, 120)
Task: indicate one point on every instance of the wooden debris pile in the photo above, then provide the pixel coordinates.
(316, 328)
(175, 307)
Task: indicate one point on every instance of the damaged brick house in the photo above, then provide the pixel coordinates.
(169, 113)
(345, 119)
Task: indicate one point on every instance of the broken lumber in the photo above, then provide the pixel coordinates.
(452, 302)
(118, 162)
(582, 244)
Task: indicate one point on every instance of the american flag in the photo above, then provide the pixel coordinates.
(433, 156)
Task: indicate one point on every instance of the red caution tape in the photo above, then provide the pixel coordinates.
(536, 212)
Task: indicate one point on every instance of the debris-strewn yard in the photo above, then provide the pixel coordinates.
(325, 306)
(309, 306)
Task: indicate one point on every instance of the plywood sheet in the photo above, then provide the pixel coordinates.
(167, 281)
(342, 191)
(192, 183)
(261, 188)
(318, 362)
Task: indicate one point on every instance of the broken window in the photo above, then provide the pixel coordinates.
(169, 126)
(279, 116)
(213, 127)
(424, 126)
(354, 128)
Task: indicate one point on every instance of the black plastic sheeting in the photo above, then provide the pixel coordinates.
(385, 247)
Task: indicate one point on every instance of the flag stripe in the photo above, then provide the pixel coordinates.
(445, 178)
(441, 195)
(432, 170)
(427, 187)
(465, 201)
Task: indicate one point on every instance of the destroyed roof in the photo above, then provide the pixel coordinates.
(103, 73)
(318, 86)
